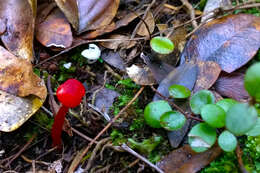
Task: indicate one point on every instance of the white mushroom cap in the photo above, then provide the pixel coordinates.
(92, 53)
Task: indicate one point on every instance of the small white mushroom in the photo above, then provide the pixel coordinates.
(92, 53)
(67, 65)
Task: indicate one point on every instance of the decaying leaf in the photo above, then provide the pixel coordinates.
(208, 74)
(142, 30)
(232, 86)
(54, 31)
(20, 18)
(113, 59)
(16, 110)
(119, 41)
(141, 75)
(85, 15)
(17, 77)
(230, 41)
(184, 160)
(127, 19)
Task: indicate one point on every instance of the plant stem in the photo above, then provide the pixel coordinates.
(57, 126)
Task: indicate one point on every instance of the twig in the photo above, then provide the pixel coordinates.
(94, 152)
(143, 21)
(82, 135)
(30, 161)
(239, 154)
(130, 166)
(191, 11)
(187, 115)
(104, 114)
(110, 70)
(22, 150)
(128, 149)
(105, 129)
(95, 92)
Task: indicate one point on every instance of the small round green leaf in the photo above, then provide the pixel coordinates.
(200, 99)
(154, 110)
(214, 115)
(172, 120)
(162, 45)
(202, 137)
(241, 118)
(226, 103)
(179, 91)
(255, 131)
(227, 141)
(252, 81)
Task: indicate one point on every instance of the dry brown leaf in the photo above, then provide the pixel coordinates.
(55, 31)
(184, 160)
(141, 75)
(17, 77)
(127, 19)
(120, 42)
(230, 41)
(85, 15)
(142, 30)
(20, 18)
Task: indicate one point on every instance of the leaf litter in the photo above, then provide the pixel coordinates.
(211, 59)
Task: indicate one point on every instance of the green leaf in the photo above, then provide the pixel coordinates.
(252, 81)
(241, 118)
(179, 91)
(202, 137)
(162, 45)
(226, 103)
(255, 131)
(154, 110)
(172, 120)
(200, 99)
(227, 141)
(214, 115)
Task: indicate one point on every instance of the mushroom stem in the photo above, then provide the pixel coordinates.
(57, 126)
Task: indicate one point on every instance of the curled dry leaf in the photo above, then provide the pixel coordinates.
(149, 20)
(85, 15)
(208, 74)
(230, 41)
(141, 75)
(119, 42)
(232, 86)
(54, 30)
(17, 79)
(20, 18)
(185, 160)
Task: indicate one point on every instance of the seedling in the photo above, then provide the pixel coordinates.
(69, 94)
(237, 118)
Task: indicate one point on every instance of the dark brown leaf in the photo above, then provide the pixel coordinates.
(54, 31)
(19, 17)
(113, 59)
(85, 15)
(184, 160)
(208, 74)
(230, 41)
(232, 85)
(141, 75)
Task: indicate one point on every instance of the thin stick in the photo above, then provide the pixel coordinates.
(105, 129)
(130, 165)
(187, 115)
(82, 135)
(239, 154)
(191, 11)
(129, 150)
(22, 150)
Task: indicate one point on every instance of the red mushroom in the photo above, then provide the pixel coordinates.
(69, 94)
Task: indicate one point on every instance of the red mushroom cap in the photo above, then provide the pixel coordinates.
(70, 93)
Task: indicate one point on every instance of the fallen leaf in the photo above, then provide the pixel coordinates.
(19, 17)
(16, 110)
(127, 19)
(208, 74)
(17, 77)
(230, 41)
(54, 31)
(113, 59)
(119, 41)
(149, 20)
(232, 86)
(141, 75)
(85, 15)
(184, 160)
